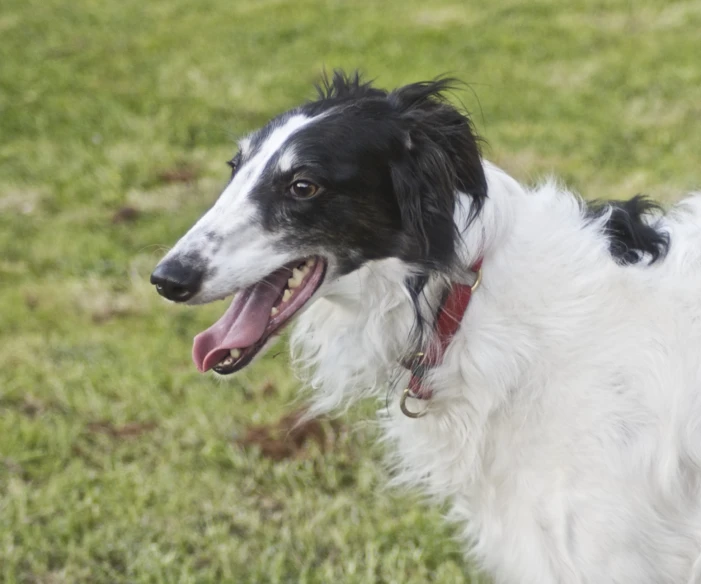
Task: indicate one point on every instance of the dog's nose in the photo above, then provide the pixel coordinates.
(176, 281)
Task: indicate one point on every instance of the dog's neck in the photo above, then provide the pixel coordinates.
(350, 344)
(543, 257)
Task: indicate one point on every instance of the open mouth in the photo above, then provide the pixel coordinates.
(256, 313)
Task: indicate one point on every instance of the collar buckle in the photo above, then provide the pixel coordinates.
(448, 321)
(405, 410)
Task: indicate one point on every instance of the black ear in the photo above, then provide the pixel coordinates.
(440, 157)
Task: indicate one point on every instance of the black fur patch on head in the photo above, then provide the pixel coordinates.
(389, 166)
(633, 236)
(345, 86)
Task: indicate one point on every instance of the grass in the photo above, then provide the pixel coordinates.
(118, 462)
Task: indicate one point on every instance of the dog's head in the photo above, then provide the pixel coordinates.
(359, 174)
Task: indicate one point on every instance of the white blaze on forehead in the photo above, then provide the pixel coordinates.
(287, 159)
(234, 211)
(246, 179)
(244, 144)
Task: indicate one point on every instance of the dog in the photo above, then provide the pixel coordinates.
(540, 357)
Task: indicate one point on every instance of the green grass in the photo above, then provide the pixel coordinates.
(118, 462)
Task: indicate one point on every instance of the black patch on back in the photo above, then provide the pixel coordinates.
(632, 235)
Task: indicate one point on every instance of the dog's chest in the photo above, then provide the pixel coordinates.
(541, 501)
(502, 497)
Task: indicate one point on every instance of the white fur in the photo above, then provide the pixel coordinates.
(565, 423)
(288, 159)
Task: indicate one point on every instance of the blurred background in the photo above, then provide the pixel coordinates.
(118, 461)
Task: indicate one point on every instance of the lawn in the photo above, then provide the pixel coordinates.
(118, 461)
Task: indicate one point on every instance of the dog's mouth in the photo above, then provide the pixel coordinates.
(257, 313)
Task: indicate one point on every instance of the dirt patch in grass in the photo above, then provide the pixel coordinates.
(289, 436)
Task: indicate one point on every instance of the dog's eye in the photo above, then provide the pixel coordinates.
(303, 189)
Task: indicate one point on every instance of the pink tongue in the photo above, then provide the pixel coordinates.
(243, 324)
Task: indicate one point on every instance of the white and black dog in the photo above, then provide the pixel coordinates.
(561, 418)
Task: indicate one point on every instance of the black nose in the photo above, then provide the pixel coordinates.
(176, 281)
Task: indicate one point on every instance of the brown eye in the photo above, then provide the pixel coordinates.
(303, 189)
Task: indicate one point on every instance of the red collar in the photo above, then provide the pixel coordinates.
(448, 321)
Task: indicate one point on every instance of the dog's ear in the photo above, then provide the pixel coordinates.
(439, 158)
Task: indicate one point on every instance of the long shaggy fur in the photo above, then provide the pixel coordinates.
(564, 428)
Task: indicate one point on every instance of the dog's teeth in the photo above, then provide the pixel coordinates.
(273, 311)
(304, 269)
(286, 295)
(309, 263)
(235, 353)
(226, 362)
(296, 279)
